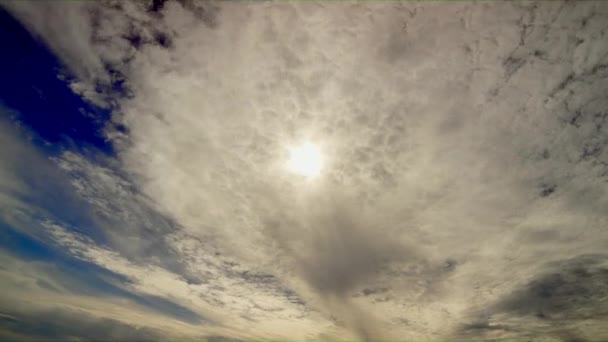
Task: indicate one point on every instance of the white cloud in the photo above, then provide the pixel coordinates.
(465, 152)
(35, 288)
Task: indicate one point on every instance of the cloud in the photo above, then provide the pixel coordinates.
(57, 290)
(31, 186)
(155, 266)
(564, 302)
(418, 137)
(465, 148)
(37, 193)
(65, 325)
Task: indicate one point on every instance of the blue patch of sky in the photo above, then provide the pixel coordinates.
(43, 101)
(55, 119)
(44, 104)
(51, 196)
(81, 277)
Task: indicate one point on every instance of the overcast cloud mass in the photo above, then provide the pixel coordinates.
(463, 193)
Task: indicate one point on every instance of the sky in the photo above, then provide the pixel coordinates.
(151, 185)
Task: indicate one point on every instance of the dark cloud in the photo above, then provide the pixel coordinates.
(344, 252)
(218, 338)
(63, 324)
(206, 11)
(374, 291)
(341, 255)
(547, 189)
(556, 303)
(157, 5)
(570, 290)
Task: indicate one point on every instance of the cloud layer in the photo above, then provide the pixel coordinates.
(464, 190)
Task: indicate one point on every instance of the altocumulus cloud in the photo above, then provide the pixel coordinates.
(463, 194)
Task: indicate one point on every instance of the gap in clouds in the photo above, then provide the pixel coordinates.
(36, 86)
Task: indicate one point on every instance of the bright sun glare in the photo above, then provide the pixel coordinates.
(305, 160)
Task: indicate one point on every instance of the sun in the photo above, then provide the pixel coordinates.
(305, 160)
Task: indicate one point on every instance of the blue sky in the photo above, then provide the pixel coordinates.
(148, 189)
(34, 90)
(48, 117)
